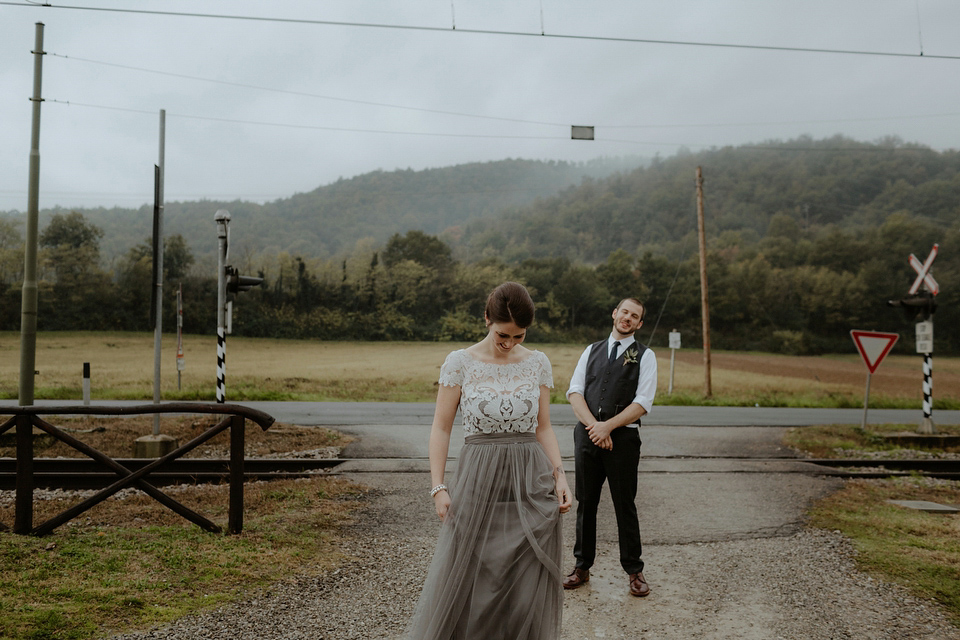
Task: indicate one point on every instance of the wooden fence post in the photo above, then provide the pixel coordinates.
(23, 518)
(237, 443)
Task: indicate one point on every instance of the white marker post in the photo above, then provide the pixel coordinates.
(674, 345)
(86, 384)
(873, 347)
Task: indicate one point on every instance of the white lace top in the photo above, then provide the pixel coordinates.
(497, 398)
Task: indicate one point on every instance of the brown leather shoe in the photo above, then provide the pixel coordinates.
(638, 585)
(577, 578)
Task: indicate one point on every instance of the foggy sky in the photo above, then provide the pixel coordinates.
(358, 98)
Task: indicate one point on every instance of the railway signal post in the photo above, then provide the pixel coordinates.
(229, 280)
(919, 305)
(222, 218)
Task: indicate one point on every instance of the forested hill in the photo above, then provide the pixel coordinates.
(330, 219)
(806, 241)
(808, 185)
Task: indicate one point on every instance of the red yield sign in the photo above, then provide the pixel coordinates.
(873, 346)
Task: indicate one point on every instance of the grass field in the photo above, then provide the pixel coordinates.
(77, 583)
(131, 563)
(264, 369)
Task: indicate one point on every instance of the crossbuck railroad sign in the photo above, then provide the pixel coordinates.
(923, 273)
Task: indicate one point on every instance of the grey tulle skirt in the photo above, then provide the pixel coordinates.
(496, 571)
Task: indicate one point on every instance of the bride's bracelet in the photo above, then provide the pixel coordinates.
(437, 489)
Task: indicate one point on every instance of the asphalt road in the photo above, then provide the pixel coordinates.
(707, 474)
(344, 413)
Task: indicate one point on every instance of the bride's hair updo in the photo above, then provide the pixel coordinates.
(510, 302)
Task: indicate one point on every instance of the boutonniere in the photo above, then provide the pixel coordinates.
(630, 356)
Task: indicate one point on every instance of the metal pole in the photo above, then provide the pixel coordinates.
(179, 333)
(704, 303)
(158, 268)
(866, 401)
(223, 219)
(673, 355)
(28, 305)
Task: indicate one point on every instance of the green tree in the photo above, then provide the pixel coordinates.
(82, 295)
(72, 246)
(177, 258)
(422, 248)
(11, 253)
(621, 278)
(579, 292)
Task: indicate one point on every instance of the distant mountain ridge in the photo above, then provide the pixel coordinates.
(748, 190)
(330, 220)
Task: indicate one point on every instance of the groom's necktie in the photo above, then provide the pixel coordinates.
(613, 352)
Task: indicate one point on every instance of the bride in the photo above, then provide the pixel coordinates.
(496, 569)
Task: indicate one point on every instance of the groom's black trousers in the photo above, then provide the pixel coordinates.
(618, 468)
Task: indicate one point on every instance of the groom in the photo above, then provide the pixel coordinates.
(612, 387)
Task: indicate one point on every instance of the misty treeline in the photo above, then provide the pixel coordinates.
(788, 292)
(806, 241)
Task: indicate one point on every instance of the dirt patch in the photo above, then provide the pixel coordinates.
(896, 376)
(322, 498)
(115, 437)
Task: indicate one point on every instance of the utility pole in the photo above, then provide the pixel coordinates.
(28, 305)
(157, 444)
(158, 274)
(704, 302)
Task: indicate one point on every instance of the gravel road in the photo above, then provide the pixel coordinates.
(799, 584)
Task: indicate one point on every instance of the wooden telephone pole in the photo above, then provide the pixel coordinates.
(704, 302)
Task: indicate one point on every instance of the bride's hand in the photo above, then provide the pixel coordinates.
(563, 494)
(442, 502)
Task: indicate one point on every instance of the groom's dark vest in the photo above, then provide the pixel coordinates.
(609, 389)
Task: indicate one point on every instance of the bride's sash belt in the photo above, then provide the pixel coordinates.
(501, 438)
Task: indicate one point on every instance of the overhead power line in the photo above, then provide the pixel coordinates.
(291, 125)
(497, 118)
(493, 32)
(305, 93)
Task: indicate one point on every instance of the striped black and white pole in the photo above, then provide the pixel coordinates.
(221, 366)
(223, 219)
(925, 348)
(927, 386)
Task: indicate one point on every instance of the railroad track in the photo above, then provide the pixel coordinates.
(872, 468)
(84, 473)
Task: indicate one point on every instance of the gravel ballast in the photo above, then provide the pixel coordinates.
(800, 586)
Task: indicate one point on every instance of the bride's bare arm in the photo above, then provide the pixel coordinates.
(448, 399)
(548, 440)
